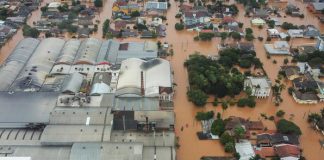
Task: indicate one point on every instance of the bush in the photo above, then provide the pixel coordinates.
(200, 116)
(179, 26)
(288, 127)
(280, 113)
(229, 147)
(226, 138)
(260, 39)
(236, 36)
(287, 26)
(135, 14)
(286, 61)
(30, 32)
(215, 103)
(290, 90)
(178, 15)
(206, 36)
(250, 102)
(218, 127)
(288, 38)
(197, 96)
(98, 3)
(249, 37)
(248, 31)
(274, 62)
(268, 39)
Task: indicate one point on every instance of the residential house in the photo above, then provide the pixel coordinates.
(196, 18)
(296, 33)
(120, 24)
(304, 67)
(305, 98)
(86, 22)
(304, 84)
(261, 13)
(287, 152)
(269, 140)
(306, 49)
(277, 21)
(83, 32)
(185, 8)
(246, 46)
(278, 48)
(126, 9)
(248, 125)
(260, 86)
(320, 43)
(291, 72)
(316, 7)
(258, 22)
(156, 6)
(273, 33)
(53, 6)
(311, 32)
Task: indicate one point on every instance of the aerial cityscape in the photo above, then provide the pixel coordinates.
(161, 79)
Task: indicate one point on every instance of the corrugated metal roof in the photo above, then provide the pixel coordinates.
(40, 64)
(16, 61)
(88, 51)
(21, 108)
(69, 51)
(106, 151)
(72, 83)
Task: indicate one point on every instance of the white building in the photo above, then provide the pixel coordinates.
(296, 33)
(139, 78)
(245, 149)
(260, 86)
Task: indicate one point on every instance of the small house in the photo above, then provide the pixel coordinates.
(258, 22)
(260, 86)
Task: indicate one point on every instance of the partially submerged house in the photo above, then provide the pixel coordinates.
(260, 86)
(258, 22)
(278, 48)
(296, 33)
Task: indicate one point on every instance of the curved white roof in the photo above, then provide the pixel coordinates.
(100, 88)
(69, 51)
(156, 73)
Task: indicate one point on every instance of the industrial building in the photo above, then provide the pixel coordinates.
(74, 100)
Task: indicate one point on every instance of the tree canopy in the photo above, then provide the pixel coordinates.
(30, 32)
(287, 127)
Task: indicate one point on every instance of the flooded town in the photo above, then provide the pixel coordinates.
(162, 79)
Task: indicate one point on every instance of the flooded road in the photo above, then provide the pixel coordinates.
(183, 45)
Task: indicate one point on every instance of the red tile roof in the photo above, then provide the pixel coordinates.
(266, 152)
(287, 150)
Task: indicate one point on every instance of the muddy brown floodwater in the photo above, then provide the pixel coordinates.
(183, 45)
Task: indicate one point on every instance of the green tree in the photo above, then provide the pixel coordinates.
(288, 127)
(197, 96)
(98, 3)
(280, 113)
(63, 8)
(229, 147)
(135, 14)
(218, 127)
(249, 37)
(223, 35)
(30, 32)
(286, 61)
(248, 31)
(239, 133)
(314, 118)
(200, 116)
(236, 36)
(105, 27)
(240, 25)
(226, 138)
(224, 105)
(179, 26)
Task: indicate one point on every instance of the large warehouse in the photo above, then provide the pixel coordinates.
(33, 60)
